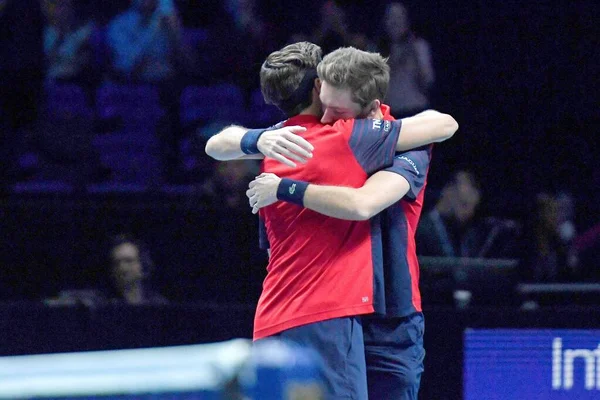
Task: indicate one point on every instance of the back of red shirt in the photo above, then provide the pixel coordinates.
(322, 267)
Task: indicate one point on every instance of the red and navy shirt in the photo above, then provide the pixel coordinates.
(321, 267)
(398, 226)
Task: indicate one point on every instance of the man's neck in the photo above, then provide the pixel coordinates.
(313, 109)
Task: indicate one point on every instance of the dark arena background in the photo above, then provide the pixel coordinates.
(91, 152)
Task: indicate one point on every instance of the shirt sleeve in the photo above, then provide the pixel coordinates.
(263, 240)
(373, 142)
(413, 166)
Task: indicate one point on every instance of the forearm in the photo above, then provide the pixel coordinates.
(335, 201)
(226, 145)
(425, 128)
(357, 204)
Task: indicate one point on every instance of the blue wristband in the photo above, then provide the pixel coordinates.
(292, 191)
(249, 143)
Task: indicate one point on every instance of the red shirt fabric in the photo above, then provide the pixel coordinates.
(321, 267)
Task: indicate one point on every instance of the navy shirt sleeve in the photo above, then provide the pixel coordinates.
(263, 240)
(413, 166)
(373, 142)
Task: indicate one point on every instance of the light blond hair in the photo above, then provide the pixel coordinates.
(366, 74)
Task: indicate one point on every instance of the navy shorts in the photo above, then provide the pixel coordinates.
(340, 343)
(394, 354)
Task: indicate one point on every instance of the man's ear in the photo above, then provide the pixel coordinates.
(318, 85)
(374, 110)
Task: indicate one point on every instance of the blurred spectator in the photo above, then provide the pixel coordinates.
(249, 37)
(227, 187)
(448, 230)
(545, 257)
(334, 32)
(549, 255)
(454, 228)
(146, 47)
(130, 270)
(125, 278)
(67, 44)
(145, 42)
(411, 70)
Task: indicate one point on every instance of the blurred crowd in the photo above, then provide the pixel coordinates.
(83, 87)
(100, 95)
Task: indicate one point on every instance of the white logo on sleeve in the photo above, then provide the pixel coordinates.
(387, 125)
(365, 299)
(292, 188)
(376, 124)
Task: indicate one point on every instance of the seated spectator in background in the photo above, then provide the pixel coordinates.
(548, 254)
(145, 42)
(125, 278)
(67, 44)
(411, 70)
(130, 268)
(453, 228)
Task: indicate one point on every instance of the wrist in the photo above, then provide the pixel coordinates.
(249, 142)
(292, 191)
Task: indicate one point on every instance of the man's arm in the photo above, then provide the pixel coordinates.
(404, 179)
(283, 144)
(357, 204)
(425, 128)
(380, 191)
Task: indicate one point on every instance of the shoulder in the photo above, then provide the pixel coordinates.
(343, 125)
(122, 20)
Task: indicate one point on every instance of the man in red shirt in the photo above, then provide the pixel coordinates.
(321, 270)
(393, 336)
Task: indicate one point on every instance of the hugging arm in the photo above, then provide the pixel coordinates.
(283, 144)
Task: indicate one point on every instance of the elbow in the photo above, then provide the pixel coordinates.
(211, 148)
(362, 214)
(364, 210)
(449, 128)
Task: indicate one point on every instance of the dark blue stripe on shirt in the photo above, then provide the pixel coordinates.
(373, 143)
(378, 272)
(398, 282)
(413, 166)
(263, 240)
